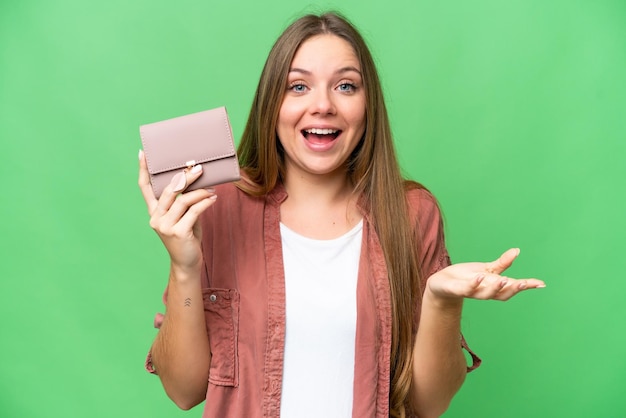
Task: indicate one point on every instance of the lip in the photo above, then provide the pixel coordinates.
(321, 126)
(320, 146)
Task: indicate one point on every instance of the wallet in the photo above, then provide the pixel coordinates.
(200, 138)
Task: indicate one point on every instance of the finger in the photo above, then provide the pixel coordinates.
(503, 262)
(524, 284)
(144, 183)
(475, 288)
(184, 178)
(190, 218)
(493, 286)
(178, 184)
(516, 286)
(184, 202)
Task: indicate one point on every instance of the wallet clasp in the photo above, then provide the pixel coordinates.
(190, 164)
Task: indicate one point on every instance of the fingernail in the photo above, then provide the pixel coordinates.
(196, 169)
(210, 190)
(541, 286)
(179, 181)
(214, 197)
(140, 154)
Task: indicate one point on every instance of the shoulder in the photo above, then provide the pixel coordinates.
(423, 205)
(427, 222)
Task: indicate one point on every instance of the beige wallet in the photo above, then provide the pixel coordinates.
(200, 138)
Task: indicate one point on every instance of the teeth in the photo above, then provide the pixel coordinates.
(321, 131)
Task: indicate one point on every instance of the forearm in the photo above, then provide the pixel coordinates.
(180, 353)
(438, 362)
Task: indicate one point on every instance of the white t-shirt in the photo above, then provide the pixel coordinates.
(320, 292)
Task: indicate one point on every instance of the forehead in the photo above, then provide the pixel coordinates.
(325, 51)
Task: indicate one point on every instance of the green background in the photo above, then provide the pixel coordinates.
(511, 112)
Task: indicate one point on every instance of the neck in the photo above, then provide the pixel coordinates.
(319, 206)
(333, 188)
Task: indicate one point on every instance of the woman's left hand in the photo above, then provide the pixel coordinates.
(479, 281)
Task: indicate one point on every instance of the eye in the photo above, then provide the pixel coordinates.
(347, 87)
(297, 87)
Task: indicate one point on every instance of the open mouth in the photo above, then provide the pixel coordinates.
(319, 136)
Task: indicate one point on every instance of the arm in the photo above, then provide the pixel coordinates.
(180, 353)
(438, 363)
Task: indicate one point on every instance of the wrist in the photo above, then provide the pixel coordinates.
(452, 305)
(185, 274)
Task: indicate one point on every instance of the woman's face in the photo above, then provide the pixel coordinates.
(322, 117)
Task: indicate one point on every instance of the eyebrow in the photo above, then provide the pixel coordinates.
(339, 71)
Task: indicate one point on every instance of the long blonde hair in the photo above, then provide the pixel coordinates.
(373, 169)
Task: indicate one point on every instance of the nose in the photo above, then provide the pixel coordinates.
(322, 102)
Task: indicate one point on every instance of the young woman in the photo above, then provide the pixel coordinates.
(319, 285)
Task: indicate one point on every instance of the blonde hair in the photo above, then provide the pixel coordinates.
(372, 168)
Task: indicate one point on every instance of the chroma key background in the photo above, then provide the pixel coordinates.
(512, 112)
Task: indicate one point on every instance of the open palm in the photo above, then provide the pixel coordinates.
(480, 280)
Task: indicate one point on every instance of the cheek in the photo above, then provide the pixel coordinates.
(359, 121)
(356, 114)
(282, 124)
(288, 113)
(285, 127)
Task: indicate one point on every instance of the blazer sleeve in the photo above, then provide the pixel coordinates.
(433, 255)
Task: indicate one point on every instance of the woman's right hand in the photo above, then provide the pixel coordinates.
(175, 217)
